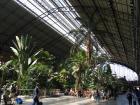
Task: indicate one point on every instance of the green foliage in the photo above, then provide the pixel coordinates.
(5, 72)
(23, 51)
(39, 73)
(39, 67)
(103, 78)
(32, 67)
(42, 71)
(78, 64)
(65, 76)
(87, 79)
(45, 57)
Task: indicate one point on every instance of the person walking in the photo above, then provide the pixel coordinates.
(36, 95)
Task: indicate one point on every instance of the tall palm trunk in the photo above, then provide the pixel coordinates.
(78, 78)
(77, 82)
(89, 47)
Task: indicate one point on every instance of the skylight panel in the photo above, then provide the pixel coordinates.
(58, 14)
(122, 71)
(53, 15)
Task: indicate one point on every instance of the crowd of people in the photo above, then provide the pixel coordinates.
(133, 96)
(96, 95)
(129, 96)
(9, 94)
(79, 93)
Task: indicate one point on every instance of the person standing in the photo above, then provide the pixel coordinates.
(97, 96)
(17, 91)
(134, 98)
(129, 97)
(12, 90)
(36, 95)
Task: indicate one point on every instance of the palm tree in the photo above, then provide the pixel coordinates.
(4, 69)
(78, 65)
(102, 76)
(82, 37)
(87, 79)
(23, 51)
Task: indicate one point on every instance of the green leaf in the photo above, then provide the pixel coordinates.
(18, 42)
(15, 51)
(29, 61)
(33, 63)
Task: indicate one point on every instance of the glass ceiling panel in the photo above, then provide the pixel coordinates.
(122, 71)
(58, 14)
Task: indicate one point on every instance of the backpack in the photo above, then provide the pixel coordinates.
(19, 101)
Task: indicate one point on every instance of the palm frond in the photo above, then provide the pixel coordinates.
(18, 42)
(15, 51)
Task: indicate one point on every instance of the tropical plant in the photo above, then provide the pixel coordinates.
(41, 72)
(87, 79)
(45, 57)
(23, 51)
(102, 76)
(65, 76)
(83, 38)
(78, 66)
(3, 70)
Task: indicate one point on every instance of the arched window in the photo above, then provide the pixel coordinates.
(123, 71)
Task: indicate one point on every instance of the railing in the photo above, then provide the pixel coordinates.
(26, 92)
(44, 92)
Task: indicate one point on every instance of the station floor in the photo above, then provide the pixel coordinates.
(69, 100)
(122, 100)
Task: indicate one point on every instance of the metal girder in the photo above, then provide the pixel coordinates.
(122, 63)
(118, 28)
(136, 36)
(104, 41)
(98, 12)
(65, 9)
(100, 32)
(113, 24)
(33, 25)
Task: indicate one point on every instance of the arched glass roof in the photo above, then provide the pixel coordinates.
(122, 71)
(59, 15)
(113, 32)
